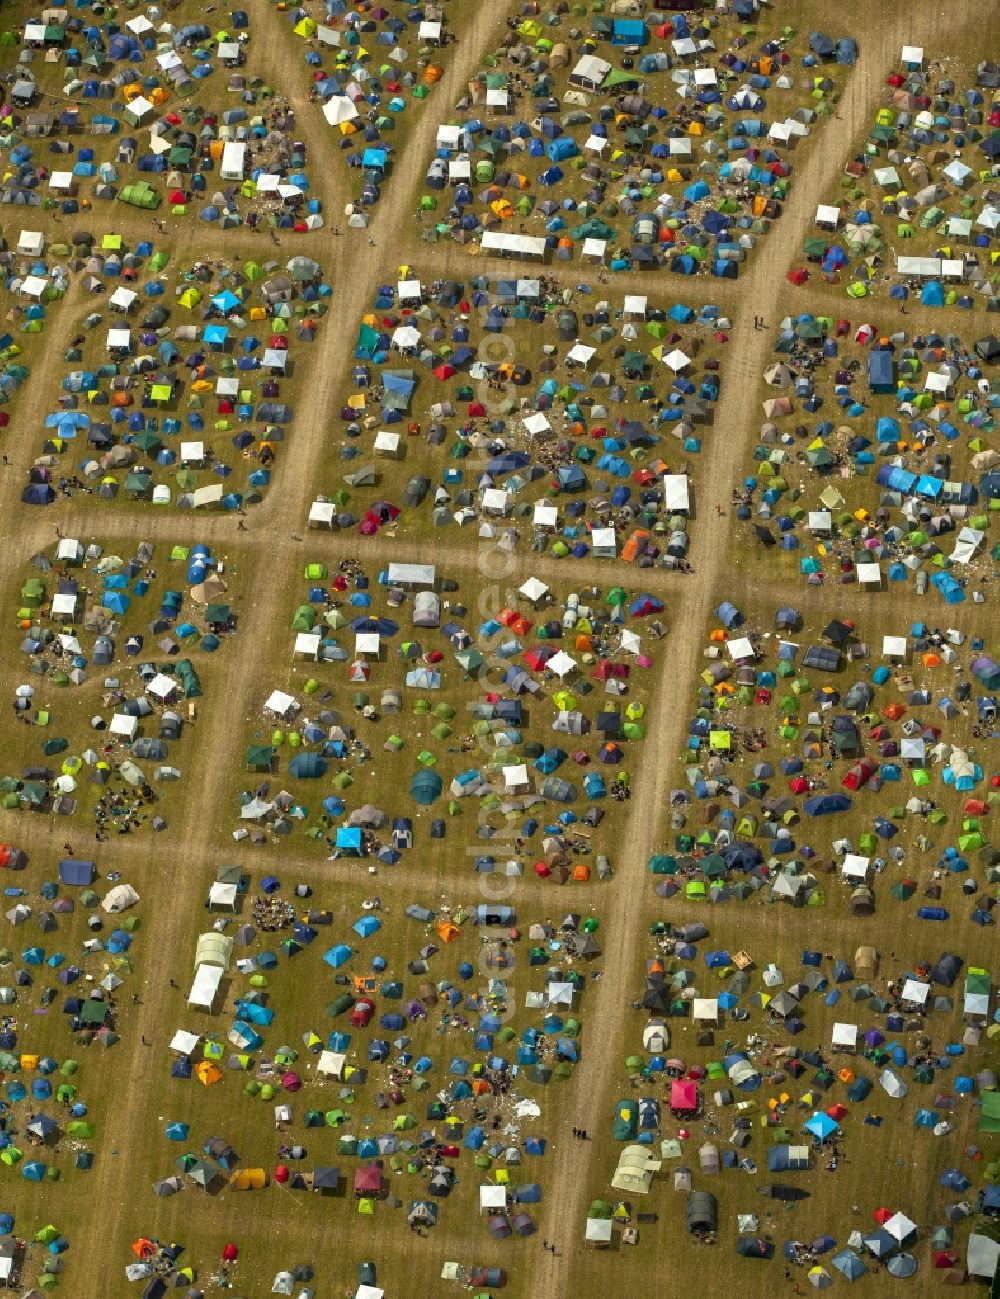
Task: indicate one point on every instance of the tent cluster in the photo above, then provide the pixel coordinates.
(646, 142)
(161, 115)
(175, 391)
(71, 951)
(366, 68)
(923, 187)
(875, 463)
(797, 733)
(584, 440)
(36, 289)
(547, 770)
(772, 1109)
(84, 611)
(164, 1266)
(435, 1055)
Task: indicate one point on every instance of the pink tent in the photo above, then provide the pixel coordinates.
(683, 1094)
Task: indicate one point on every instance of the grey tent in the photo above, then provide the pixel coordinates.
(946, 970)
(702, 1213)
(821, 658)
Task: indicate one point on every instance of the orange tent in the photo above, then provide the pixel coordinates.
(581, 872)
(207, 1073)
(447, 931)
(143, 1248)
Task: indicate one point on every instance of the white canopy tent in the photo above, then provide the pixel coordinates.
(205, 987)
(844, 1037)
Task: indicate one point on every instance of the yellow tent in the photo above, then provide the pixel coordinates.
(305, 28)
(207, 1073)
(248, 1179)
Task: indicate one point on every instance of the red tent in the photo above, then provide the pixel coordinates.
(859, 774)
(367, 1181)
(537, 658)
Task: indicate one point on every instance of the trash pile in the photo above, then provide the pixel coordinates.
(876, 462)
(401, 742)
(177, 382)
(423, 1075)
(918, 209)
(656, 142)
(539, 415)
(174, 120)
(88, 620)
